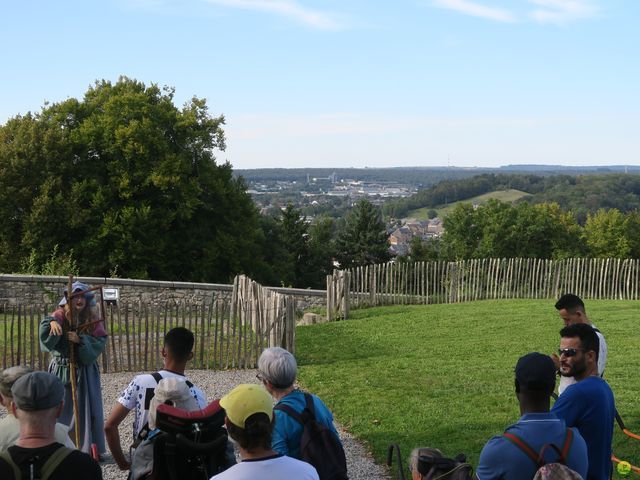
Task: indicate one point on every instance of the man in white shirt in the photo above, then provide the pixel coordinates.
(176, 352)
(571, 309)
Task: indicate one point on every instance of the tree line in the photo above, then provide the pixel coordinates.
(545, 230)
(124, 183)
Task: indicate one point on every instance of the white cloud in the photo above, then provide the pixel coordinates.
(476, 9)
(562, 11)
(287, 8)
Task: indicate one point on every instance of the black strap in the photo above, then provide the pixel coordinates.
(309, 401)
(290, 411)
(297, 416)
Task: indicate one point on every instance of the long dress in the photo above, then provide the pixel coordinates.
(89, 391)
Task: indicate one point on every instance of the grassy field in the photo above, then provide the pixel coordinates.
(442, 375)
(443, 210)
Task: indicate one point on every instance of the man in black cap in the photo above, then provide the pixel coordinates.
(37, 402)
(504, 456)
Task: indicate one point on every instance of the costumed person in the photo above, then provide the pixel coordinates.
(87, 333)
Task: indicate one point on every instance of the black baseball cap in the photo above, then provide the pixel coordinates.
(536, 372)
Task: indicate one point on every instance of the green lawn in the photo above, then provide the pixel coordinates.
(442, 375)
(508, 196)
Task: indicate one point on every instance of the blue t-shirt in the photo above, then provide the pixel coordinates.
(287, 432)
(589, 406)
(501, 459)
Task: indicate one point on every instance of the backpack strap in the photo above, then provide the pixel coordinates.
(538, 458)
(289, 411)
(54, 461)
(6, 456)
(308, 399)
(309, 404)
(568, 440)
(522, 445)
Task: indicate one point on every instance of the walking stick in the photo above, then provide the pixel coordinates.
(72, 366)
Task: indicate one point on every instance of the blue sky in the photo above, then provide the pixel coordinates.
(353, 83)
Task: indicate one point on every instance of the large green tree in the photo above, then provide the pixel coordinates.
(611, 233)
(499, 229)
(129, 182)
(363, 239)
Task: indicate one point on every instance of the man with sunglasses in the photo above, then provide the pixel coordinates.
(571, 309)
(588, 404)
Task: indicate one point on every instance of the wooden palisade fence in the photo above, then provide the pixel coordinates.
(228, 334)
(480, 279)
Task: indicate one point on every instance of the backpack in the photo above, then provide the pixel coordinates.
(319, 445)
(149, 394)
(548, 471)
(47, 468)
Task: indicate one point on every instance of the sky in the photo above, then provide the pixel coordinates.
(354, 83)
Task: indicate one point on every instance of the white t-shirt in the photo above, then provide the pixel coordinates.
(137, 396)
(602, 363)
(277, 467)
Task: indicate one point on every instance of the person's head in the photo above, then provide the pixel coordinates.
(7, 378)
(571, 309)
(535, 379)
(80, 300)
(413, 462)
(178, 344)
(579, 346)
(37, 399)
(249, 416)
(277, 368)
(171, 391)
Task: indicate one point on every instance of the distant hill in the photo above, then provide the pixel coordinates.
(510, 195)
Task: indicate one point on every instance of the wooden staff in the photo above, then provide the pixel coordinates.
(72, 365)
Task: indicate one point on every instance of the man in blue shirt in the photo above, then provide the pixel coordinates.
(588, 404)
(503, 456)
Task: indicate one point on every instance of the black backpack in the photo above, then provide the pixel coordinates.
(48, 468)
(319, 446)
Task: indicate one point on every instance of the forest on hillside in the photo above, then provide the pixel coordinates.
(579, 194)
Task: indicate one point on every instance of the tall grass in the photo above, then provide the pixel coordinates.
(442, 375)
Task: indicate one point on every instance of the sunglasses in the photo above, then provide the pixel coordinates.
(569, 352)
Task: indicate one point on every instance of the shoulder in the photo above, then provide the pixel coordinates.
(495, 444)
(78, 461)
(299, 466)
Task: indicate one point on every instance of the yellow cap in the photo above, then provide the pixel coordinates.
(245, 400)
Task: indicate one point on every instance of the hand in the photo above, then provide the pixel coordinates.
(124, 465)
(55, 328)
(73, 337)
(556, 360)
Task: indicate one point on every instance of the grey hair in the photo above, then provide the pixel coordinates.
(416, 453)
(9, 376)
(278, 366)
(413, 459)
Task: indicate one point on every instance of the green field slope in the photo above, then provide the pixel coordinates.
(502, 195)
(442, 375)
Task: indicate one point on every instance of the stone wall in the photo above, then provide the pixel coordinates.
(38, 290)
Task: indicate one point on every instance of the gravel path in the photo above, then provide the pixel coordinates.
(215, 384)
